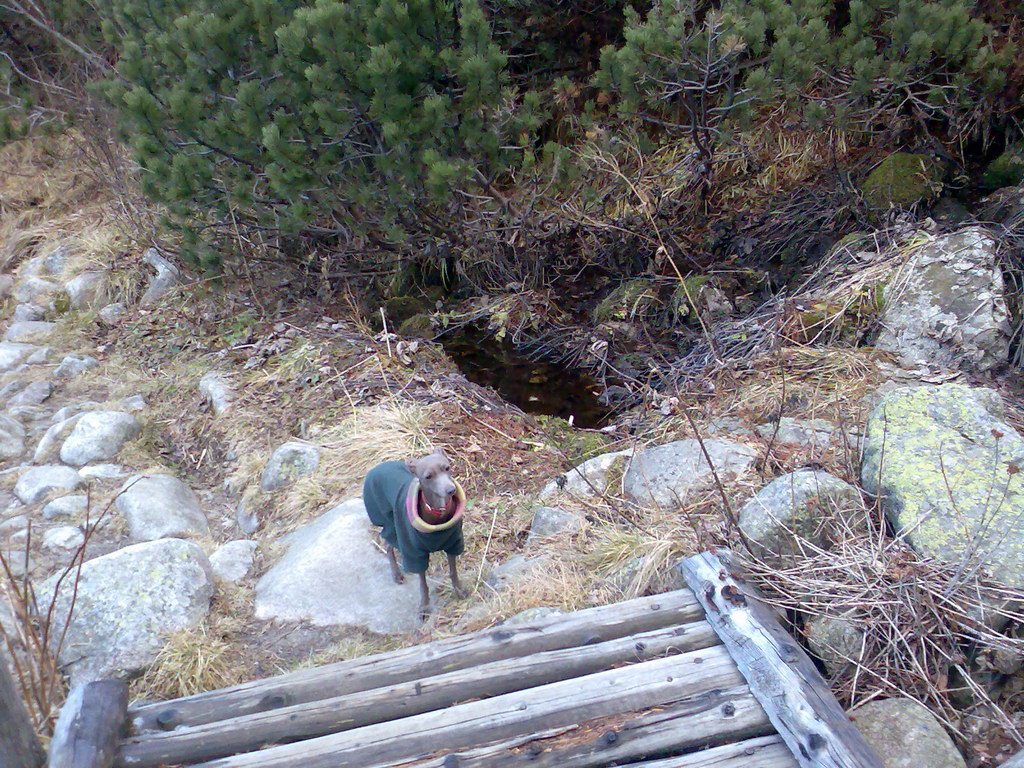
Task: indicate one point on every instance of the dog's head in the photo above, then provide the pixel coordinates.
(435, 482)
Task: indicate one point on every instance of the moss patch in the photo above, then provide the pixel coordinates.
(901, 180)
(1007, 170)
(633, 299)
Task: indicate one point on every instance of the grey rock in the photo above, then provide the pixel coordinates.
(35, 393)
(806, 506)
(13, 525)
(102, 472)
(952, 311)
(729, 425)
(27, 313)
(6, 286)
(36, 482)
(87, 290)
(29, 331)
(549, 522)
(805, 432)
(70, 410)
(63, 537)
(167, 277)
(1017, 761)
(233, 561)
(75, 365)
(53, 438)
(66, 506)
(516, 568)
(113, 314)
(51, 263)
(590, 479)
(12, 438)
(216, 390)
(906, 735)
(835, 639)
(12, 354)
(288, 463)
(40, 357)
(312, 583)
(246, 517)
(946, 467)
(666, 474)
(127, 604)
(158, 506)
(134, 403)
(28, 414)
(531, 615)
(36, 290)
(98, 436)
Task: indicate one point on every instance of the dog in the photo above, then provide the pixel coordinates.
(419, 508)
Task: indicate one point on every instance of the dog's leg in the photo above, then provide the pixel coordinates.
(453, 571)
(424, 597)
(396, 572)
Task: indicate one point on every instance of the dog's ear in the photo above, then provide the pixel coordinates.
(440, 452)
(410, 464)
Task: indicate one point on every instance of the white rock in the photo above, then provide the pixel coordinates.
(65, 537)
(102, 472)
(216, 390)
(550, 522)
(36, 290)
(134, 403)
(233, 561)
(87, 291)
(29, 331)
(167, 277)
(66, 506)
(158, 506)
(36, 482)
(98, 436)
(590, 479)
(12, 354)
(665, 475)
(127, 604)
(312, 583)
(288, 463)
(40, 357)
(12, 438)
(49, 444)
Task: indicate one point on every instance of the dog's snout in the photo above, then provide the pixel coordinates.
(449, 489)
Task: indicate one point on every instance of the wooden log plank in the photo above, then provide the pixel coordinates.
(638, 686)
(586, 627)
(90, 726)
(316, 718)
(764, 752)
(781, 676)
(19, 747)
(709, 719)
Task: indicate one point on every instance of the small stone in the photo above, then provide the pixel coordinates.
(36, 290)
(233, 561)
(549, 522)
(35, 393)
(97, 436)
(27, 313)
(64, 537)
(87, 291)
(66, 506)
(40, 357)
(590, 479)
(158, 506)
(288, 463)
(905, 734)
(29, 331)
(36, 482)
(216, 390)
(134, 403)
(531, 615)
(167, 277)
(75, 365)
(102, 472)
(729, 425)
(12, 526)
(12, 354)
(6, 286)
(836, 640)
(28, 414)
(12, 438)
(805, 432)
(113, 314)
(516, 568)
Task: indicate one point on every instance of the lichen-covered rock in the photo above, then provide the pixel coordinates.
(419, 326)
(216, 390)
(233, 561)
(87, 290)
(74, 365)
(29, 331)
(807, 506)
(951, 311)
(901, 180)
(836, 640)
(12, 438)
(805, 432)
(633, 299)
(947, 469)
(98, 436)
(159, 506)
(590, 479)
(288, 463)
(127, 603)
(906, 735)
(36, 482)
(311, 582)
(549, 522)
(665, 475)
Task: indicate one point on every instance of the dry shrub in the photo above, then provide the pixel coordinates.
(190, 662)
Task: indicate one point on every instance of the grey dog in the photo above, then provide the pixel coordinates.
(419, 509)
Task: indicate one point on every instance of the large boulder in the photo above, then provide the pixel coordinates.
(951, 311)
(98, 436)
(12, 438)
(905, 734)
(288, 463)
(333, 574)
(807, 506)
(127, 603)
(158, 506)
(666, 474)
(35, 483)
(589, 479)
(947, 469)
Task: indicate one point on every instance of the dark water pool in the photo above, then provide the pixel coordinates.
(536, 387)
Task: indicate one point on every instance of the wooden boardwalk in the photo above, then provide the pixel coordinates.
(698, 677)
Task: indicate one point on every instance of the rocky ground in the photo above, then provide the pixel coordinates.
(186, 464)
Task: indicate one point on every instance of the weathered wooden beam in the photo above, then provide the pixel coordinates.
(764, 752)
(90, 726)
(638, 686)
(593, 625)
(354, 710)
(712, 718)
(781, 676)
(19, 747)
